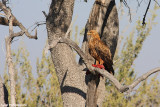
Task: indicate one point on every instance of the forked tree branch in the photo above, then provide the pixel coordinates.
(37, 24)
(129, 10)
(104, 73)
(54, 43)
(8, 13)
(4, 21)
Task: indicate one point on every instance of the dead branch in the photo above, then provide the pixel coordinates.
(138, 3)
(157, 3)
(44, 14)
(6, 10)
(144, 18)
(37, 24)
(129, 10)
(4, 21)
(103, 72)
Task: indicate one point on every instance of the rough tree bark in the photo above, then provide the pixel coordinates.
(72, 78)
(70, 75)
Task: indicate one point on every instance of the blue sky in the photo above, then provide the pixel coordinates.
(30, 11)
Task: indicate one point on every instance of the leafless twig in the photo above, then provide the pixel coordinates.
(44, 14)
(38, 24)
(129, 10)
(157, 3)
(139, 3)
(143, 23)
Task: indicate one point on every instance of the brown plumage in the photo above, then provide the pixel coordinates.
(100, 51)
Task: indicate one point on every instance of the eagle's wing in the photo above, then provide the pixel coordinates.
(104, 52)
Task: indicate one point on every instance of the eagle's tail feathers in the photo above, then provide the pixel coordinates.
(109, 69)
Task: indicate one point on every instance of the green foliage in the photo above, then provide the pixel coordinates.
(147, 93)
(38, 90)
(47, 82)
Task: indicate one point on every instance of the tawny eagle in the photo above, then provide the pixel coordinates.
(100, 51)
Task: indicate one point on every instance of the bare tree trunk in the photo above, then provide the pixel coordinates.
(3, 94)
(8, 41)
(70, 75)
(11, 70)
(91, 99)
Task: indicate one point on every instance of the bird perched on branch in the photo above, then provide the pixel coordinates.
(100, 52)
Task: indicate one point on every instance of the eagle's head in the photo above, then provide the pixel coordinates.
(93, 34)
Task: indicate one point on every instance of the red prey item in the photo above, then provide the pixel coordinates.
(97, 66)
